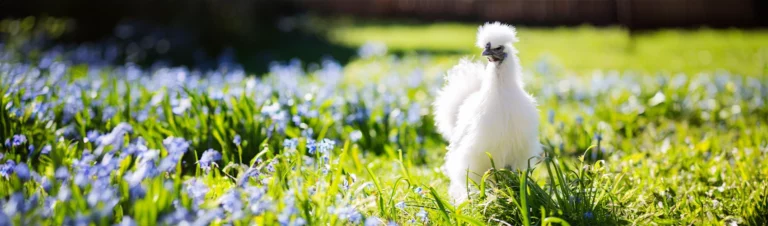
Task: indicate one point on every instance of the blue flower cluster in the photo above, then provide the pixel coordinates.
(92, 178)
(15, 141)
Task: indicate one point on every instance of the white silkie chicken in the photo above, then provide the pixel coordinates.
(485, 109)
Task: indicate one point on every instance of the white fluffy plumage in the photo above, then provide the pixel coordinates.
(494, 33)
(485, 109)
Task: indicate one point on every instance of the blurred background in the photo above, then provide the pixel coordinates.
(693, 35)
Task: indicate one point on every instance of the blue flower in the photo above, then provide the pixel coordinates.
(237, 140)
(209, 158)
(345, 184)
(196, 190)
(114, 138)
(30, 203)
(44, 182)
(325, 146)
(18, 140)
(7, 169)
(136, 147)
(296, 120)
(127, 221)
(299, 221)
(85, 161)
(355, 217)
(355, 135)
(79, 220)
(108, 113)
(147, 157)
(422, 215)
(168, 164)
(231, 203)
(400, 205)
(93, 136)
(137, 192)
(15, 204)
(64, 193)
(290, 144)
(285, 216)
(311, 146)
(206, 217)
(414, 113)
(178, 216)
(143, 170)
(260, 207)
(372, 221)
(349, 213)
(46, 149)
(176, 145)
(256, 201)
(372, 49)
(326, 168)
(82, 177)
(61, 173)
(308, 133)
(22, 171)
(588, 215)
(271, 166)
(48, 205)
(255, 193)
(105, 195)
(246, 177)
(4, 219)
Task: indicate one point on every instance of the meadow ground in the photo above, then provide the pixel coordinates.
(665, 127)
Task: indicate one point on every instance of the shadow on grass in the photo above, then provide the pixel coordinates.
(282, 47)
(401, 53)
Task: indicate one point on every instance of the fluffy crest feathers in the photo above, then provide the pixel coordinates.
(496, 33)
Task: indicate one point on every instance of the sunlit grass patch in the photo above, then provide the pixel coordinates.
(584, 48)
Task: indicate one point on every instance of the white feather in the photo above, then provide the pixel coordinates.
(486, 109)
(461, 81)
(495, 33)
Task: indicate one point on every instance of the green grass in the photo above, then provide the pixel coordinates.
(584, 49)
(680, 145)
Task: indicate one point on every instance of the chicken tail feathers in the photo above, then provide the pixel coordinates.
(461, 81)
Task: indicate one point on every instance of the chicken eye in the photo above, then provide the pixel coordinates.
(499, 48)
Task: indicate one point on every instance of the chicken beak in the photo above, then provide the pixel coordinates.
(487, 52)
